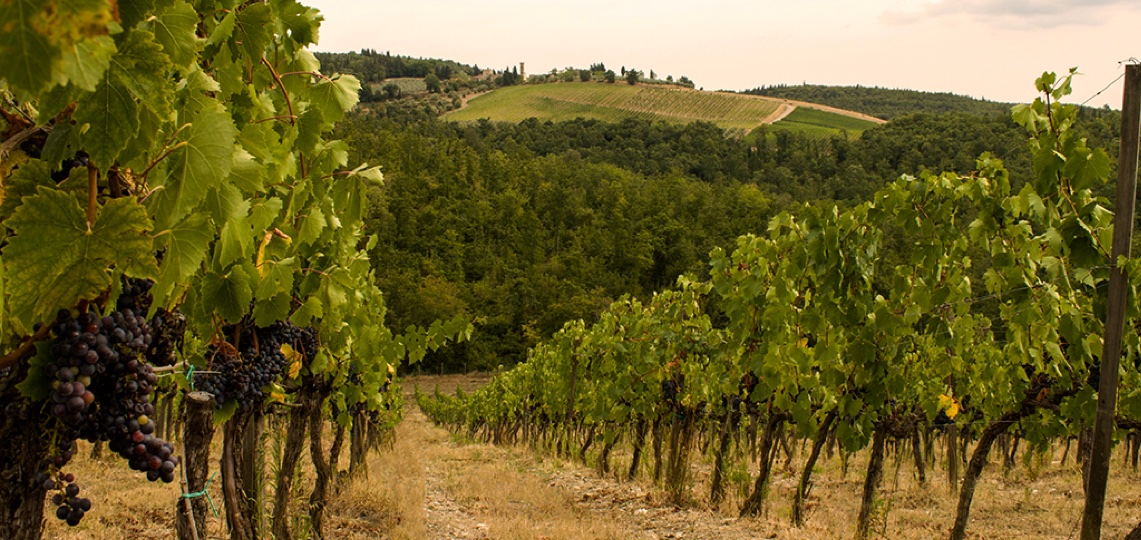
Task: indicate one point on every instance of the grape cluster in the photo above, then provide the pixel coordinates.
(65, 167)
(70, 507)
(167, 329)
(100, 391)
(240, 370)
(670, 389)
(136, 295)
(1093, 380)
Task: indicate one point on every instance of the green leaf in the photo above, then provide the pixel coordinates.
(335, 96)
(85, 63)
(255, 29)
(141, 67)
(278, 277)
(23, 183)
(174, 29)
(230, 293)
(185, 246)
(234, 242)
(272, 309)
(26, 56)
(37, 384)
(311, 226)
(60, 261)
(201, 164)
(224, 30)
(110, 119)
(1087, 168)
(246, 172)
(311, 309)
(224, 413)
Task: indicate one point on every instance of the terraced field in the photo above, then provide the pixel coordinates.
(615, 102)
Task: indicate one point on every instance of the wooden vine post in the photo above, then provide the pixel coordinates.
(1118, 296)
(197, 433)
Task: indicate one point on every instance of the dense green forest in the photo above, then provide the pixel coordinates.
(371, 66)
(884, 103)
(525, 226)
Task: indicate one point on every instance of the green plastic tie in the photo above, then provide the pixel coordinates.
(205, 490)
(190, 377)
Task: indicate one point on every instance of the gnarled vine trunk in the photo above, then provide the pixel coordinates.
(804, 488)
(23, 449)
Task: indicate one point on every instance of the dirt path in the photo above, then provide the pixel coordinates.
(478, 491)
(783, 111)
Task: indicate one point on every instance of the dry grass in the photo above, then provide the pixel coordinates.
(432, 485)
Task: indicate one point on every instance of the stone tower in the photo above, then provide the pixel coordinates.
(522, 73)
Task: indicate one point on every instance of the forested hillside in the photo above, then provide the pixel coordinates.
(885, 103)
(525, 226)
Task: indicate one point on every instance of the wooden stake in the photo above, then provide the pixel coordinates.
(1115, 312)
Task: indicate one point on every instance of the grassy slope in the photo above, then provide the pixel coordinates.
(615, 102)
(822, 123)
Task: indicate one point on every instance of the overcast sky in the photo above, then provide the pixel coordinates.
(991, 49)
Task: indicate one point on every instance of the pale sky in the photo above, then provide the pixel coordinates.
(991, 49)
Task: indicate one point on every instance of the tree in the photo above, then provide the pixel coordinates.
(584, 75)
(632, 77)
(391, 90)
(653, 75)
(610, 76)
(433, 83)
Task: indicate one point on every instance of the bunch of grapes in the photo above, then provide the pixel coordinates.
(167, 329)
(240, 370)
(65, 166)
(100, 391)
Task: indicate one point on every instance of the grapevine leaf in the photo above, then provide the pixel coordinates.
(26, 56)
(311, 309)
(85, 62)
(1087, 168)
(224, 413)
(245, 174)
(235, 242)
(174, 29)
(111, 118)
(264, 213)
(335, 96)
(229, 293)
(62, 143)
(255, 24)
(133, 13)
(142, 68)
(63, 261)
(185, 245)
(224, 30)
(302, 22)
(37, 383)
(23, 183)
(278, 277)
(321, 362)
(311, 226)
(268, 310)
(203, 163)
(295, 360)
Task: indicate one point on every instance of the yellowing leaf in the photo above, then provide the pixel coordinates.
(949, 406)
(295, 359)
